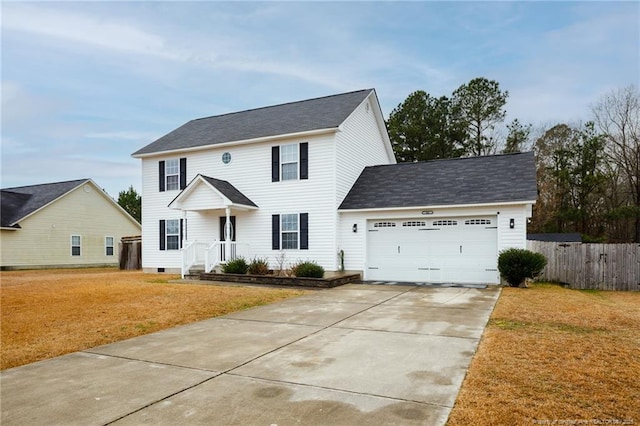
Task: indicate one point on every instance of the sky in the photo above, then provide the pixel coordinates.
(85, 84)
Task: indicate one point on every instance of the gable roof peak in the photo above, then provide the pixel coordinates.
(284, 104)
(317, 114)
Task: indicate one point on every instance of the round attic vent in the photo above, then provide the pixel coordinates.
(226, 158)
(86, 188)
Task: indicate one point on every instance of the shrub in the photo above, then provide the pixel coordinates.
(259, 267)
(308, 270)
(515, 265)
(236, 266)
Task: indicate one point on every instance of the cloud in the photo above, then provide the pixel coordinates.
(84, 29)
(22, 107)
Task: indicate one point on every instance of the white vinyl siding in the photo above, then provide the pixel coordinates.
(76, 245)
(108, 246)
(250, 172)
(358, 144)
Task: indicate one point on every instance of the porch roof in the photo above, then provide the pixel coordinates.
(207, 193)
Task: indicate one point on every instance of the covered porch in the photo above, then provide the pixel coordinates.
(208, 199)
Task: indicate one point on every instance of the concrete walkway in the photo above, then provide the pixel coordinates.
(356, 354)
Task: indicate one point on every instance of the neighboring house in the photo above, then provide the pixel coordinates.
(317, 180)
(63, 224)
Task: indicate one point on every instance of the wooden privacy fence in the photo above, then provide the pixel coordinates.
(131, 252)
(591, 266)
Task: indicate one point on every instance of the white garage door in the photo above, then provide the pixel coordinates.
(459, 250)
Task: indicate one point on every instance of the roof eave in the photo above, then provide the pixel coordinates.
(437, 206)
(307, 133)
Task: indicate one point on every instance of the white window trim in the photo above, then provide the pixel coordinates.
(106, 246)
(79, 245)
(167, 234)
(282, 231)
(297, 162)
(167, 174)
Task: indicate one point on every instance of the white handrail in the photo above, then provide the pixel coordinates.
(210, 256)
(192, 254)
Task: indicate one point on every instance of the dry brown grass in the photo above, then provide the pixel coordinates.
(554, 354)
(53, 312)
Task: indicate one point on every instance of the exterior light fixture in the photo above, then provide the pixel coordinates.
(512, 223)
(354, 228)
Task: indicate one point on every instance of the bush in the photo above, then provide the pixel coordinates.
(308, 270)
(515, 265)
(259, 267)
(236, 266)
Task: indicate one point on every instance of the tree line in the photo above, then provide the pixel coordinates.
(588, 173)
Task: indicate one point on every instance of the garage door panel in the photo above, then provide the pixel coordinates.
(440, 250)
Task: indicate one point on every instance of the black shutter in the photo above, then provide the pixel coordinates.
(275, 232)
(183, 173)
(161, 177)
(181, 226)
(275, 164)
(304, 231)
(304, 160)
(163, 238)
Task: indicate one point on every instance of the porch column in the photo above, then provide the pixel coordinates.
(185, 237)
(227, 234)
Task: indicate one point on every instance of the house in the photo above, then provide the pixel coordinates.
(317, 180)
(63, 224)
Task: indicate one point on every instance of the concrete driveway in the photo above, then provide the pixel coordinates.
(356, 354)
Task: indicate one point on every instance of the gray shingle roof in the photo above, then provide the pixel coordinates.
(229, 191)
(474, 180)
(19, 202)
(313, 114)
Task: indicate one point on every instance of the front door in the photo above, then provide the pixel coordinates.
(223, 235)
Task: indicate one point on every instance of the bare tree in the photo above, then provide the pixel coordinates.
(617, 116)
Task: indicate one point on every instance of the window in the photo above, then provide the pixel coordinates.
(173, 174)
(226, 157)
(75, 245)
(108, 244)
(445, 222)
(289, 161)
(477, 222)
(290, 231)
(414, 223)
(384, 225)
(173, 234)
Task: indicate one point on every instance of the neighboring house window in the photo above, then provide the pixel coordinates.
(108, 244)
(290, 231)
(171, 234)
(75, 245)
(290, 162)
(173, 174)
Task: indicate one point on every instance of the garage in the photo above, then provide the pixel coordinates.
(452, 249)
